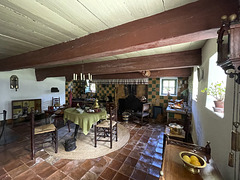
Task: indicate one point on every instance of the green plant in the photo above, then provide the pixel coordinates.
(216, 90)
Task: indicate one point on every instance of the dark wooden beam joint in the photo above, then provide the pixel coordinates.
(182, 72)
(137, 64)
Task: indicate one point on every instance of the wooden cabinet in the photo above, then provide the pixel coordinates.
(235, 45)
(229, 46)
(21, 108)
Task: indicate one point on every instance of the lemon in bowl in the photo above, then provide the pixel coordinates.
(192, 161)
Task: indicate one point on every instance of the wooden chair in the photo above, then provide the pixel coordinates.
(58, 118)
(4, 123)
(109, 105)
(106, 130)
(143, 114)
(56, 101)
(41, 134)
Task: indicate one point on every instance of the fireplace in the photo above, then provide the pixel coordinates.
(130, 104)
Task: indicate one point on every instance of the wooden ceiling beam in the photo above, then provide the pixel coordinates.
(137, 64)
(182, 72)
(195, 21)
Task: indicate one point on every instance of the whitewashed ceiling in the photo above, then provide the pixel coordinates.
(27, 25)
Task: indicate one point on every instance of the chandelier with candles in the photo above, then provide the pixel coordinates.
(82, 77)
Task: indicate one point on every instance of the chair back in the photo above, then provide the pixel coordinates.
(146, 107)
(56, 101)
(109, 106)
(4, 121)
(113, 114)
(4, 115)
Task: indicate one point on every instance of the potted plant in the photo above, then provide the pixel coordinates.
(216, 90)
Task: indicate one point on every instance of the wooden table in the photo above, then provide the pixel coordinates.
(84, 120)
(173, 168)
(174, 111)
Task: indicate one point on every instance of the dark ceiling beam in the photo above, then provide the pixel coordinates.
(195, 21)
(137, 64)
(182, 72)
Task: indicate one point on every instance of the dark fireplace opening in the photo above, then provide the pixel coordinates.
(129, 104)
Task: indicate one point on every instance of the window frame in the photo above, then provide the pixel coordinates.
(167, 79)
(88, 87)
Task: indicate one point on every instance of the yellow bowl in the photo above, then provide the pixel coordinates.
(192, 168)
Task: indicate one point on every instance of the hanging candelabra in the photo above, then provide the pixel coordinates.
(82, 77)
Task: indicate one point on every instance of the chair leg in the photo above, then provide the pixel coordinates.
(95, 135)
(116, 133)
(68, 126)
(32, 148)
(32, 144)
(110, 138)
(56, 141)
(55, 121)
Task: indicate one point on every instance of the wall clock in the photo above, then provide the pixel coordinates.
(224, 44)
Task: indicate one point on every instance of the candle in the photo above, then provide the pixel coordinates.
(89, 76)
(81, 76)
(84, 77)
(76, 77)
(73, 76)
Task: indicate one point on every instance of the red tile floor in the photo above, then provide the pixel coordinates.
(140, 158)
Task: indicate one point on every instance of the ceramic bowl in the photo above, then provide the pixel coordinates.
(190, 167)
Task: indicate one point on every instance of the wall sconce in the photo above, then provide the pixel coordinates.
(14, 82)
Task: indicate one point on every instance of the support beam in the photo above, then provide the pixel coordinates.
(154, 62)
(182, 72)
(195, 21)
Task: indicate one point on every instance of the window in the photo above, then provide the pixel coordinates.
(215, 74)
(168, 85)
(91, 87)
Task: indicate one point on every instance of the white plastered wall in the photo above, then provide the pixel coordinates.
(207, 126)
(29, 88)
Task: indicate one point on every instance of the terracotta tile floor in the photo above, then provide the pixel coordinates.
(140, 158)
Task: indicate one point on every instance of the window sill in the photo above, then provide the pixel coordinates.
(219, 114)
(168, 95)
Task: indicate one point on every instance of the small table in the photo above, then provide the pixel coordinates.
(84, 120)
(174, 111)
(173, 168)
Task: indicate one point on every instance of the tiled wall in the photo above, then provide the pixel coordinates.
(154, 92)
(73, 86)
(104, 90)
(68, 88)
